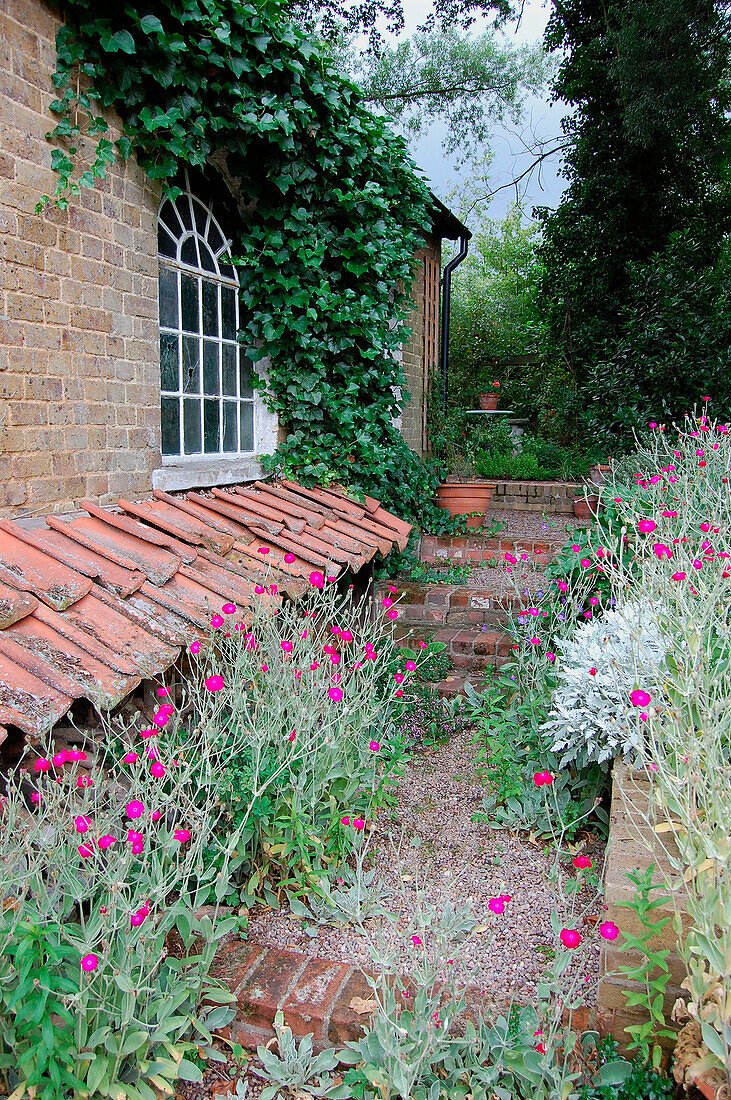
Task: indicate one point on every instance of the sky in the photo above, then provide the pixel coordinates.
(542, 119)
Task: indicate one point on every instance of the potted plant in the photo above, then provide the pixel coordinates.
(587, 507)
(488, 401)
(598, 472)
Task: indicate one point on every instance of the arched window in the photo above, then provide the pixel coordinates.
(206, 381)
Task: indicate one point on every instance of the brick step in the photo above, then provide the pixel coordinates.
(454, 682)
(478, 549)
(431, 606)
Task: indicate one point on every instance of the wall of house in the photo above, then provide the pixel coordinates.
(79, 373)
(420, 354)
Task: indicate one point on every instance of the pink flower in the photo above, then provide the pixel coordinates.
(214, 683)
(392, 613)
(646, 526)
(335, 694)
(543, 779)
(570, 938)
(139, 917)
(387, 602)
(89, 963)
(157, 814)
(85, 850)
(410, 666)
(106, 841)
(416, 941)
(82, 824)
(262, 550)
(639, 698)
(59, 759)
(374, 746)
(289, 558)
(678, 576)
(287, 647)
(158, 770)
(662, 551)
(496, 905)
(535, 641)
(550, 656)
(182, 835)
(259, 589)
(42, 765)
(229, 609)
(134, 809)
(608, 930)
(398, 677)
(317, 580)
(563, 586)
(359, 823)
(130, 757)
(345, 821)
(582, 863)
(72, 755)
(84, 781)
(217, 620)
(195, 647)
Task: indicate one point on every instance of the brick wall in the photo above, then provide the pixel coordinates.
(420, 353)
(633, 847)
(536, 496)
(78, 304)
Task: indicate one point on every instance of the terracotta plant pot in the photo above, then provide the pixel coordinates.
(461, 499)
(585, 509)
(489, 401)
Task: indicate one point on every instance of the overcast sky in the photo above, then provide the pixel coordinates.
(542, 119)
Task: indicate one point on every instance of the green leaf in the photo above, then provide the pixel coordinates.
(151, 25)
(187, 1071)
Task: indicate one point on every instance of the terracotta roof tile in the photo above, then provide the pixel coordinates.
(91, 605)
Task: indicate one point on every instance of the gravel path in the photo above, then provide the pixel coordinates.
(458, 860)
(533, 525)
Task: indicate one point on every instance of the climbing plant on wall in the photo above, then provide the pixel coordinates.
(333, 208)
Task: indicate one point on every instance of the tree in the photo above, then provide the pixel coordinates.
(467, 81)
(648, 151)
(335, 20)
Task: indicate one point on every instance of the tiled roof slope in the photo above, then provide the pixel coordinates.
(91, 606)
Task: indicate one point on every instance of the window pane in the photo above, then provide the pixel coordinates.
(245, 375)
(207, 261)
(226, 269)
(168, 298)
(230, 430)
(210, 308)
(229, 368)
(189, 303)
(228, 312)
(166, 246)
(210, 427)
(201, 217)
(169, 218)
(188, 253)
(169, 374)
(246, 418)
(214, 238)
(191, 365)
(192, 425)
(210, 367)
(182, 205)
(170, 426)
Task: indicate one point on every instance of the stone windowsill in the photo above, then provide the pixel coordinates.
(205, 472)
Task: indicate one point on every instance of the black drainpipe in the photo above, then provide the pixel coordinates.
(446, 295)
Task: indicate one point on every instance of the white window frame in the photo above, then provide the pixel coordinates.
(200, 467)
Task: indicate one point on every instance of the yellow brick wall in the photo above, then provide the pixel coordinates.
(79, 374)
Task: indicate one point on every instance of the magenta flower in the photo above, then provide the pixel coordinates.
(134, 809)
(130, 757)
(287, 647)
(661, 550)
(543, 779)
(374, 746)
(608, 930)
(106, 841)
(82, 824)
(678, 576)
(496, 905)
(570, 938)
(89, 963)
(262, 550)
(259, 589)
(646, 526)
(214, 683)
(195, 647)
(639, 698)
(359, 823)
(85, 850)
(345, 821)
(59, 759)
(229, 609)
(392, 613)
(317, 579)
(582, 863)
(84, 781)
(42, 765)
(410, 666)
(217, 620)
(550, 656)
(398, 677)
(416, 941)
(157, 814)
(182, 835)
(158, 770)
(335, 694)
(289, 558)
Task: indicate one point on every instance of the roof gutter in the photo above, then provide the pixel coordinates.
(446, 302)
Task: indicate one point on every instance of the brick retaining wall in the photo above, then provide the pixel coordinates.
(441, 549)
(632, 847)
(536, 496)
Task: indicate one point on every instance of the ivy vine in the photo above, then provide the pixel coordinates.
(334, 208)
